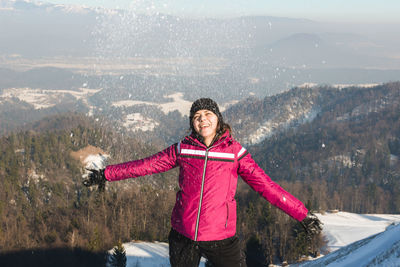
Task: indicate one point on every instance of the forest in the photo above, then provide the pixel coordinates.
(43, 204)
(346, 158)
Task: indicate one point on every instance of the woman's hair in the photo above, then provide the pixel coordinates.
(223, 128)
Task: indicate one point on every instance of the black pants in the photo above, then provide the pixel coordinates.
(184, 252)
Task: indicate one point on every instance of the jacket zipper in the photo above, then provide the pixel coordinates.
(202, 189)
(201, 194)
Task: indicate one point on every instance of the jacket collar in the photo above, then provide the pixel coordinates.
(223, 138)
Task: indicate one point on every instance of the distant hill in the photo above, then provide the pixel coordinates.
(254, 119)
(343, 143)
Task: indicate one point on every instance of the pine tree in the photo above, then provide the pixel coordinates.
(118, 258)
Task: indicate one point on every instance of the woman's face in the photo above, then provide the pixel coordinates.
(205, 123)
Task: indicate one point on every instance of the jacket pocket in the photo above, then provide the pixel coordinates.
(227, 214)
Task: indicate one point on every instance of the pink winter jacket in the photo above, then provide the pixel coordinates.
(205, 207)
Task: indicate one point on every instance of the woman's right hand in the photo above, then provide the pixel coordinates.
(96, 177)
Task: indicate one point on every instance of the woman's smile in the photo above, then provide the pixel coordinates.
(205, 123)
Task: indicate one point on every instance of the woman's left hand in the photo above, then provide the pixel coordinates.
(312, 225)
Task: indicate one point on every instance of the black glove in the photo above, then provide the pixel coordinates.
(312, 225)
(96, 177)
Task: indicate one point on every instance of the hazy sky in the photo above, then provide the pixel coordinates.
(323, 10)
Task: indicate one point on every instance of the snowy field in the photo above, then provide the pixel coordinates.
(354, 239)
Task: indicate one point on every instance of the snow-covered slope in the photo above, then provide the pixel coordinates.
(343, 228)
(382, 249)
(360, 240)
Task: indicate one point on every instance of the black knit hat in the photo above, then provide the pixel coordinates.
(208, 104)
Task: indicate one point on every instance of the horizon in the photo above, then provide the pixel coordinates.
(338, 11)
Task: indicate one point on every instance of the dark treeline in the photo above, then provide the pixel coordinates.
(61, 257)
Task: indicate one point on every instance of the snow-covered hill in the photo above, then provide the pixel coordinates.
(381, 249)
(344, 228)
(355, 239)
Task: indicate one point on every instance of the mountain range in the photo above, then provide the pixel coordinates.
(350, 133)
(53, 54)
(78, 35)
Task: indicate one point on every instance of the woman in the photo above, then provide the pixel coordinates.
(204, 216)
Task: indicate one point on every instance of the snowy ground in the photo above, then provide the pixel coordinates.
(344, 228)
(381, 249)
(146, 254)
(178, 103)
(42, 98)
(354, 239)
